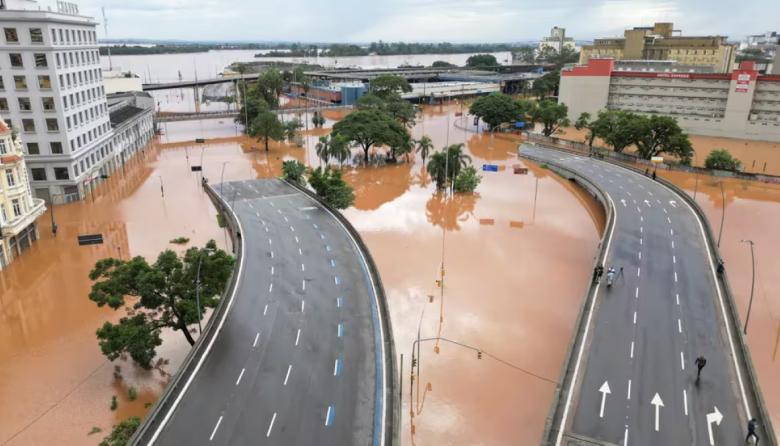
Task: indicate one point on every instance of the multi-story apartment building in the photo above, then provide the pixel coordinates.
(659, 42)
(557, 41)
(18, 208)
(51, 88)
(740, 104)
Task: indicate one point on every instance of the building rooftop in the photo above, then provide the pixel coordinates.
(123, 114)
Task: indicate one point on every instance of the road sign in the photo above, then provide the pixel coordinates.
(520, 124)
(657, 159)
(490, 167)
(91, 239)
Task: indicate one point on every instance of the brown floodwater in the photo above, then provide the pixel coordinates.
(517, 256)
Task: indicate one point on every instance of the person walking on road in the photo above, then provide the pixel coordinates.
(752, 425)
(654, 174)
(701, 361)
(597, 273)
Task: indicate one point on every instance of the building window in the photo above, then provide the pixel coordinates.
(9, 178)
(61, 173)
(36, 36)
(38, 173)
(52, 125)
(16, 207)
(20, 82)
(2, 84)
(56, 147)
(3, 104)
(54, 35)
(16, 60)
(11, 36)
(44, 82)
(3, 149)
(48, 104)
(59, 31)
(32, 148)
(24, 104)
(40, 60)
(28, 125)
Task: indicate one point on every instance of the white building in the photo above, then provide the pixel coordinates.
(52, 89)
(18, 209)
(557, 41)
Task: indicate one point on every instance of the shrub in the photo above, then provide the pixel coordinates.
(132, 393)
(121, 433)
(114, 403)
(467, 180)
(293, 171)
(221, 221)
(332, 188)
(95, 430)
(180, 240)
(721, 159)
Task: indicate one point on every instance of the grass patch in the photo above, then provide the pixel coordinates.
(180, 241)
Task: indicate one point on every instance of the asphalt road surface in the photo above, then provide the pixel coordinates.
(297, 360)
(636, 382)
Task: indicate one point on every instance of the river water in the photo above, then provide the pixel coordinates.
(205, 65)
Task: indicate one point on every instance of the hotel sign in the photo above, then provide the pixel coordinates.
(743, 83)
(674, 75)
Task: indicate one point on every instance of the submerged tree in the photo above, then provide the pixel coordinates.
(331, 187)
(721, 159)
(424, 146)
(368, 128)
(121, 433)
(266, 126)
(293, 170)
(160, 295)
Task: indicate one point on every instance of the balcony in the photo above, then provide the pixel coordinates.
(16, 225)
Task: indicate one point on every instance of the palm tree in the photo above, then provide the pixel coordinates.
(437, 168)
(457, 159)
(323, 149)
(424, 146)
(444, 166)
(339, 149)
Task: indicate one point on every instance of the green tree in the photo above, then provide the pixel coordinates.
(121, 433)
(584, 122)
(524, 54)
(495, 109)
(392, 104)
(442, 64)
(482, 61)
(249, 110)
(547, 85)
(445, 165)
(340, 149)
(368, 128)
(551, 115)
(317, 119)
(467, 180)
(438, 169)
(721, 159)
(551, 56)
(162, 295)
(266, 127)
(322, 148)
(331, 187)
(424, 146)
(293, 170)
(618, 128)
(661, 134)
(291, 129)
(387, 84)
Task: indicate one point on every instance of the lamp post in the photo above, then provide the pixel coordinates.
(752, 283)
(197, 287)
(723, 212)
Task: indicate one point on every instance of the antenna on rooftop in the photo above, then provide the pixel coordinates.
(105, 30)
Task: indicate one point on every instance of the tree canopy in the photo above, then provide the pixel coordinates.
(482, 61)
(551, 115)
(160, 295)
(121, 433)
(293, 170)
(547, 85)
(495, 109)
(266, 126)
(661, 134)
(331, 187)
(387, 84)
(445, 166)
(721, 159)
(368, 128)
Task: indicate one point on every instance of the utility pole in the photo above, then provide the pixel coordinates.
(723, 212)
(752, 283)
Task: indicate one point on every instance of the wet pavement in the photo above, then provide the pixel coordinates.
(517, 256)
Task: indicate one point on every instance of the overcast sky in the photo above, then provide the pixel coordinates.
(422, 20)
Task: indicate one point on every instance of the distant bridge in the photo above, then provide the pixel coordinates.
(174, 117)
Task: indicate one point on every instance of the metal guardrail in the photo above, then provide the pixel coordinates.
(393, 413)
(552, 424)
(151, 422)
(745, 360)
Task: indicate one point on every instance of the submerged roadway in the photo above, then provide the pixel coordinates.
(634, 380)
(299, 356)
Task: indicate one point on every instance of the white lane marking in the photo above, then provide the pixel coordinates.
(285, 219)
(682, 360)
(340, 330)
(665, 211)
(303, 305)
(300, 252)
(270, 242)
(635, 317)
(272, 270)
(327, 248)
(270, 287)
(625, 437)
(261, 221)
(677, 298)
(332, 263)
(272, 254)
(638, 270)
(679, 326)
(240, 375)
(638, 210)
(303, 284)
(292, 229)
(669, 220)
(315, 226)
(210, 344)
(270, 426)
(631, 355)
(214, 432)
(336, 367)
(672, 244)
(640, 240)
(296, 239)
(671, 232)
(636, 293)
(328, 419)
(628, 394)
(685, 402)
(266, 229)
(303, 268)
(338, 302)
(298, 337)
(265, 310)
(272, 203)
(629, 193)
(640, 255)
(641, 219)
(250, 205)
(322, 236)
(650, 193)
(258, 214)
(336, 280)
(287, 376)
(257, 336)
(577, 364)
(675, 276)
(641, 229)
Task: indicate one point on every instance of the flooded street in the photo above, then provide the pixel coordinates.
(517, 256)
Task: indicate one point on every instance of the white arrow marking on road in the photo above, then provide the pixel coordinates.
(647, 203)
(658, 403)
(715, 417)
(673, 203)
(604, 392)
(623, 200)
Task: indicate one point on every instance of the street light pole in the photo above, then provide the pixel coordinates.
(723, 212)
(752, 283)
(197, 288)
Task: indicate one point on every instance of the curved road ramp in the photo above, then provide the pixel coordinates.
(631, 376)
(299, 351)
